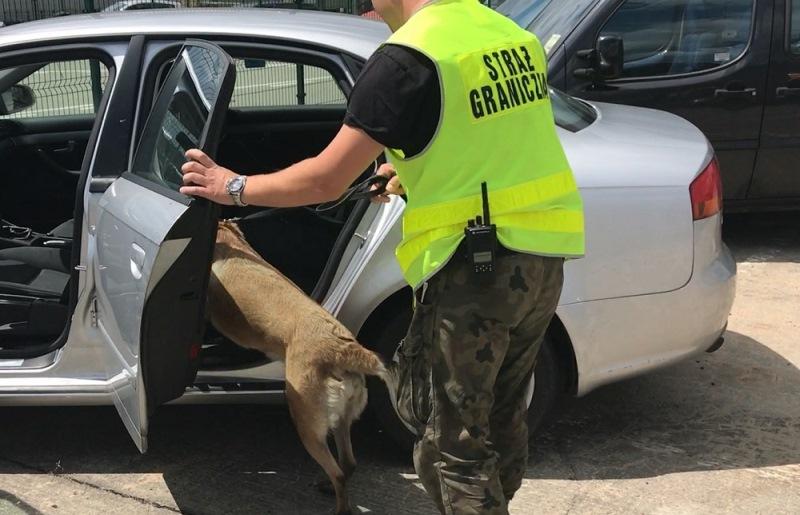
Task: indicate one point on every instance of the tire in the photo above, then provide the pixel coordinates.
(548, 386)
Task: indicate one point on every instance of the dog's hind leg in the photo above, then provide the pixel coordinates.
(355, 394)
(344, 448)
(308, 409)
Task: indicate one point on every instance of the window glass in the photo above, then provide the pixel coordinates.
(264, 83)
(669, 37)
(179, 116)
(794, 30)
(551, 20)
(63, 88)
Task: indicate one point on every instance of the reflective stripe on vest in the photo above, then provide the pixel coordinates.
(496, 125)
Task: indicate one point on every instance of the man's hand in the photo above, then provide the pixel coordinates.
(202, 177)
(392, 188)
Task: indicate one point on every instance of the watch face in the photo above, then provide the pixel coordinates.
(236, 185)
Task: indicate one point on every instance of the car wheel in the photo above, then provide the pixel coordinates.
(546, 386)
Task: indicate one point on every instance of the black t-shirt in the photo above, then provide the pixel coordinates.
(397, 99)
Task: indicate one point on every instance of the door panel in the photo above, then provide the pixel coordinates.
(43, 142)
(37, 156)
(705, 61)
(777, 172)
(154, 245)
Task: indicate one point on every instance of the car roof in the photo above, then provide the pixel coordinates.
(352, 34)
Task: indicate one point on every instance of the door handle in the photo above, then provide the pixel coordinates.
(137, 261)
(53, 166)
(735, 93)
(784, 92)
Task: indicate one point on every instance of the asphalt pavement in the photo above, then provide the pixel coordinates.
(716, 434)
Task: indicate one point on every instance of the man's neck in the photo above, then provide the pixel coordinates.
(410, 8)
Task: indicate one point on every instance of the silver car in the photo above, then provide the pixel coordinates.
(97, 111)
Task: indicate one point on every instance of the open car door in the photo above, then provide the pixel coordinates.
(154, 245)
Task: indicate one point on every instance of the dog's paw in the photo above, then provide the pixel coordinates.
(348, 511)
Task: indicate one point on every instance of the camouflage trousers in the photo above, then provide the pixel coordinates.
(463, 372)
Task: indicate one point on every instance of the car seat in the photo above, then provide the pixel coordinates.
(38, 271)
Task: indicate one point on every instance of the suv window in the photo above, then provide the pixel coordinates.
(669, 37)
(265, 83)
(62, 88)
(794, 27)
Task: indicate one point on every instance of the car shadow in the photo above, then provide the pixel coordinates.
(736, 408)
(763, 237)
(12, 505)
(211, 459)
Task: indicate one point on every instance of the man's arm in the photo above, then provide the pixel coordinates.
(312, 181)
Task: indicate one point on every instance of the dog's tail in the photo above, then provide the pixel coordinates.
(353, 357)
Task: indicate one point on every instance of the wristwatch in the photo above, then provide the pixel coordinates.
(235, 188)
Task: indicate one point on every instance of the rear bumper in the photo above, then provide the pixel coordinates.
(618, 338)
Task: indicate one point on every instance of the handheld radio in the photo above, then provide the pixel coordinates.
(481, 238)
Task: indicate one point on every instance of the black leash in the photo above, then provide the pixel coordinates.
(362, 190)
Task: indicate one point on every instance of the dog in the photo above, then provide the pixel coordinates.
(255, 306)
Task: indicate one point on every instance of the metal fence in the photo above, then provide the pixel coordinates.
(17, 11)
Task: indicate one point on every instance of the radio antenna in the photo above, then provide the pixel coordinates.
(485, 196)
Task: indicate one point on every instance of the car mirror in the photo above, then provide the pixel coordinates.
(610, 57)
(604, 61)
(15, 99)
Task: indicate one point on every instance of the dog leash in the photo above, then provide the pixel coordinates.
(362, 190)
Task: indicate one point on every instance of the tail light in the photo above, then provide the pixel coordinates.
(706, 192)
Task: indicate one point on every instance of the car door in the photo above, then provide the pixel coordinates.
(154, 245)
(777, 175)
(704, 60)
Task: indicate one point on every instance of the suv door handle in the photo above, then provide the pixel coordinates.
(784, 92)
(735, 93)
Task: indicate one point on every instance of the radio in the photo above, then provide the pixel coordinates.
(481, 238)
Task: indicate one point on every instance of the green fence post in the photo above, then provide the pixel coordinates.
(301, 85)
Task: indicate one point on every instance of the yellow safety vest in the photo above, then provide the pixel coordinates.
(496, 125)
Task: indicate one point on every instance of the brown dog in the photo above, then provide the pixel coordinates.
(255, 306)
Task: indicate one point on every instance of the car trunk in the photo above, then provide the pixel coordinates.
(634, 167)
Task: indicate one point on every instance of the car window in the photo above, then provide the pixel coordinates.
(267, 83)
(63, 88)
(551, 20)
(794, 27)
(670, 37)
(177, 121)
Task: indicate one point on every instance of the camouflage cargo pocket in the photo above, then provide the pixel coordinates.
(413, 362)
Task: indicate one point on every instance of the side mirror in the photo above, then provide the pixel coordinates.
(605, 60)
(610, 57)
(15, 99)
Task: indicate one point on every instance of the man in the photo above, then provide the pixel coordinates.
(459, 97)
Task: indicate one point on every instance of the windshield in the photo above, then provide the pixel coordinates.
(550, 20)
(570, 113)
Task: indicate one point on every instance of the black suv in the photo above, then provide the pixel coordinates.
(731, 67)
